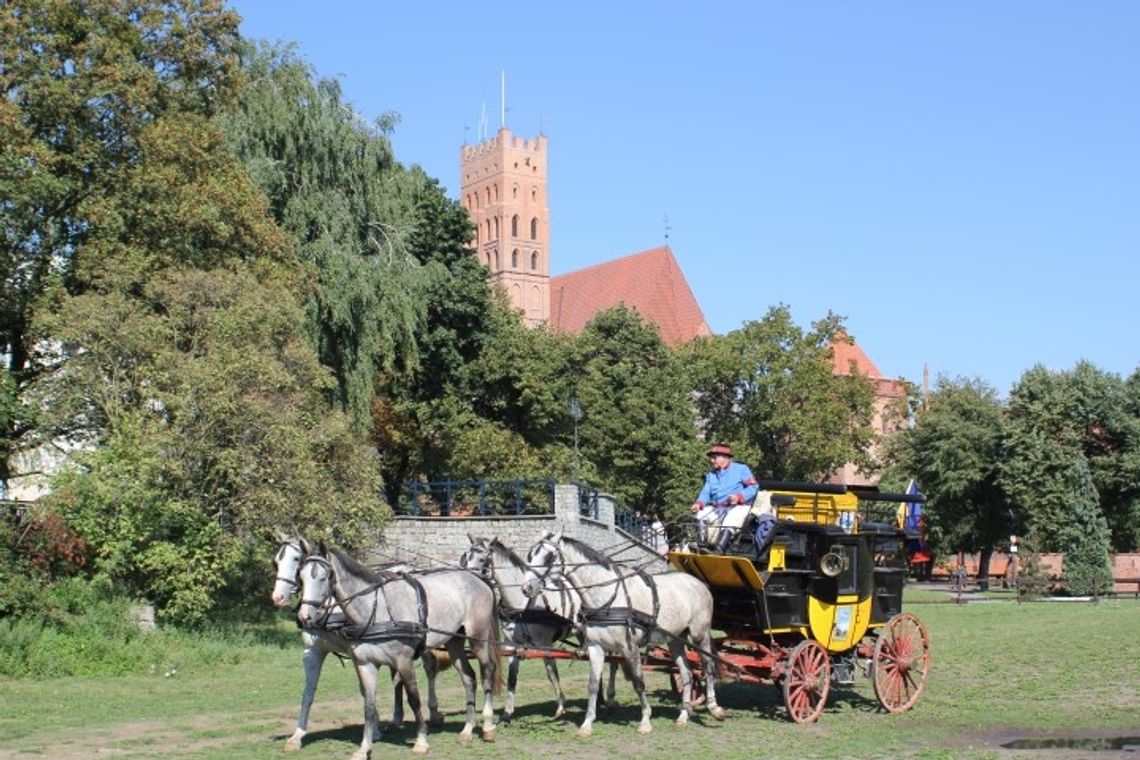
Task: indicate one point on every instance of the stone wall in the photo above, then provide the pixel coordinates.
(439, 541)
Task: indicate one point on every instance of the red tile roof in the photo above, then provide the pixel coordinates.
(650, 282)
(843, 353)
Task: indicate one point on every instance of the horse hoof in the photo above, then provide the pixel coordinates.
(490, 734)
(585, 731)
(644, 728)
(717, 712)
(292, 745)
(420, 748)
(361, 754)
(560, 713)
(682, 720)
(464, 737)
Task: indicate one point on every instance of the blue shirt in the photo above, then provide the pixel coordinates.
(720, 485)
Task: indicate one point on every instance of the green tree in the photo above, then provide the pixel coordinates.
(333, 185)
(770, 390)
(955, 452)
(1083, 411)
(638, 432)
(211, 428)
(81, 85)
(1085, 536)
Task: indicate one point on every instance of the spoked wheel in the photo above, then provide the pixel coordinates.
(901, 662)
(807, 681)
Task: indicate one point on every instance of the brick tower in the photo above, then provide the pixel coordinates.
(503, 188)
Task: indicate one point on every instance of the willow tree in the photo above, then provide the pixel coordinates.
(334, 186)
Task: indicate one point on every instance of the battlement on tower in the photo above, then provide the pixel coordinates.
(504, 140)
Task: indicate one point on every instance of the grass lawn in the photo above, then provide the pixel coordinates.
(1000, 671)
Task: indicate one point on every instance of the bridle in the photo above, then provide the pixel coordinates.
(324, 607)
(557, 558)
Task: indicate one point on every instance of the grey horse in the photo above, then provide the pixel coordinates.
(319, 643)
(395, 617)
(624, 610)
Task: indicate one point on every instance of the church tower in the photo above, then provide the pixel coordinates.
(503, 188)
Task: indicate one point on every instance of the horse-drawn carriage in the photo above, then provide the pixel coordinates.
(809, 593)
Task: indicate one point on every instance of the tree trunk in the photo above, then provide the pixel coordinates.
(984, 568)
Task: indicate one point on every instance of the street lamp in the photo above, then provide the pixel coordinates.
(576, 414)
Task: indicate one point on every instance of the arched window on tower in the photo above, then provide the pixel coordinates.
(489, 229)
(534, 194)
(496, 192)
(515, 226)
(487, 259)
(534, 261)
(496, 228)
(514, 191)
(515, 259)
(496, 260)
(488, 196)
(534, 228)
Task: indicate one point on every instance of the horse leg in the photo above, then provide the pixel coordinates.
(551, 675)
(366, 674)
(406, 667)
(467, 676)
(512, 682)
(397, 700)
(677, 649)
(611, 690)
(487, 651)
(633, 657)
(597, 657)
(715, 710)
(431, 670)
(313, 659)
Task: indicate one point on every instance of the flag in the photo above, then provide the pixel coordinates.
(910, 520)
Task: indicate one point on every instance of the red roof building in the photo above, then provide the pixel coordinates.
(649, 282)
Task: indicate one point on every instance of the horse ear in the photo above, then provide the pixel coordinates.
(323, 548)
(306, 545)
(471, 538)
(556, 537)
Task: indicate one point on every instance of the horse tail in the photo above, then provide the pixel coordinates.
(496, 655)
(442, 659)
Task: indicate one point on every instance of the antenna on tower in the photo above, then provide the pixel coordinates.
(668, 228)
(503, 99)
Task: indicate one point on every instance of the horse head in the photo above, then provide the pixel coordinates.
(317, 578)
(291, 552)
(544, 561)
(479, 558)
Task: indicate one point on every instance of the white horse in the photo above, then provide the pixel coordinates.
(625, 609)
(319, 642)
(395, 618)
(542, 621)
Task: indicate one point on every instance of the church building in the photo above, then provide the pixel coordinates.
(503, 186)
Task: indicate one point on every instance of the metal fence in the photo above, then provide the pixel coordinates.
(446, 498)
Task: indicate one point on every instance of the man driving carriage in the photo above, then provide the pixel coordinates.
(726, 496)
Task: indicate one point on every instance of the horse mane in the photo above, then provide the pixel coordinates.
(502, 549)
(357, 568)
(590, 552)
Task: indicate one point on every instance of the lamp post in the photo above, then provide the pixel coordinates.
(576, 414)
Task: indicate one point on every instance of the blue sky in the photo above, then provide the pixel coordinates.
(960, 180)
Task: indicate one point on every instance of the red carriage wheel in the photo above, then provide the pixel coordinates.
(807, 681)
(901, 662)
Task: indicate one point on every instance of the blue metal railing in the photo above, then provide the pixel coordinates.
(445, 498)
